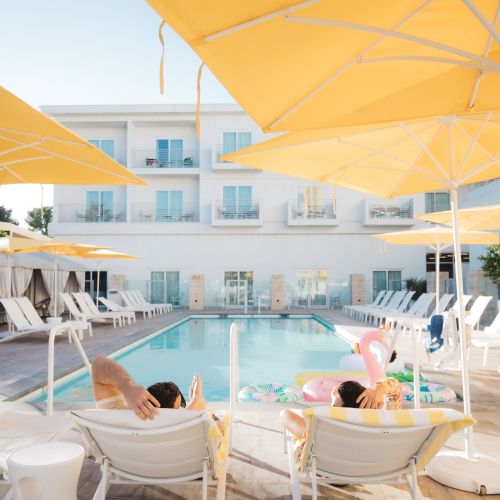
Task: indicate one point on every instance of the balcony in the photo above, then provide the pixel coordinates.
(92, 213)
(227, 166)
(321, 213)
(238, 215)
(151, 161)
(389, 213)
(148, 212)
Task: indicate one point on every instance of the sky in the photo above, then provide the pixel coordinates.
(91, 52)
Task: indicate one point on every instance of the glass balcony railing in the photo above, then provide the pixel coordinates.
(225, 212)
(92, 213)
(386, 212)
(152, 158)
(149, 212)
(317, 210)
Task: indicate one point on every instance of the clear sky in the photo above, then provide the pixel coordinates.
(91, 52)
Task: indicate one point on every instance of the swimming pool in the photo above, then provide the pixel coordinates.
(270, 350)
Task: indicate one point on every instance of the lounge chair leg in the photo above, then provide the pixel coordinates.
(413, 484)
(314, 480)
(485, 355)
(9, 496)
(294, 477)
(204, 486)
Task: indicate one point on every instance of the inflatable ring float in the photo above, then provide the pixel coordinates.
(429, 392)
(270, 393)
(361, 376)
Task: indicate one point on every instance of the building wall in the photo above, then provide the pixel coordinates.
(272, 247)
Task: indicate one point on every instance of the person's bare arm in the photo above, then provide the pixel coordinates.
(292, 422)
(111, 379)
(375, 398)
(196, 399)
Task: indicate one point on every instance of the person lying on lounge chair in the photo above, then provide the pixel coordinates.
(351, 394)
(115, 389)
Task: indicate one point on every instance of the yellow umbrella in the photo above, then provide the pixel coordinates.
(394, 160)
(104, 253)
(59, 248)
(18, 239)
(486, 217)
(438, 238)
(295, 65)
(36, 149)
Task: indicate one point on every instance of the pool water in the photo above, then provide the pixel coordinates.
(270, 350)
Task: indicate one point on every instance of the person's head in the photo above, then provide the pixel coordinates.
(346, 394)
(168, 395)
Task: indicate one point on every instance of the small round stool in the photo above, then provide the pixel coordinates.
(47, 471)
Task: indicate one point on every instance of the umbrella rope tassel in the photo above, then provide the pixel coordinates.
(198, 99)
(162, 58)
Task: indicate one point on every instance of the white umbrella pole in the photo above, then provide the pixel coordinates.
(438, 263)
(98, 284)
(55, 286)
(469, 440)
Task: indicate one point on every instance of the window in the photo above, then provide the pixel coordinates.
(233, 141)
(170, 153)
(386, 280)
(164, 287)
(168, 206)
(105, 145)
(237, 199)
(98, 206)
(436, 202)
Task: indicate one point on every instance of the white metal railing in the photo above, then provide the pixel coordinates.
(320, 209)
(381, 211)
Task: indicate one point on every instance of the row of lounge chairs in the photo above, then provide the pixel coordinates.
(23, 318)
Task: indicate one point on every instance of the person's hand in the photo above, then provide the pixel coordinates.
(141, 402)
(372, 398)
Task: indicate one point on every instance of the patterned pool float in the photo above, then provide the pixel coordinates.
(429, 392)
(270, 393)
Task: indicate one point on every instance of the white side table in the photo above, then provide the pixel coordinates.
(47, 471)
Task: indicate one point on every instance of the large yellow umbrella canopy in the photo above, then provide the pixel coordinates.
(106, 253)
(486, 217)
(62, 248)
(295, 65)
(437, 238)
(36, 149)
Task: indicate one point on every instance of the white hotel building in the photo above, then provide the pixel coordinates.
(201, 216)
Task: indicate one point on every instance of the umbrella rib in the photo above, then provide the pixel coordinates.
(339, 72)
(43, 137)
(395, 34)
(24, 160)
(20, 147)
(474, 141)
(480, 16)
(258, 20)
(487, 48)
(14, 174)
(483, 166)
(482, 67)
(424, 148)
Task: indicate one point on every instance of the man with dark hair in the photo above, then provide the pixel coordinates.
(115, 389)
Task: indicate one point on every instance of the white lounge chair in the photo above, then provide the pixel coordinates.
(20, 429)
(349, 445)
(96, 316)
(131, 304)
(488, 339)
(473, 317)
(164, 308)
(379, 315)
(123, 315)
(111, 306)
(351, 309)
(175, 447)
(20, 325)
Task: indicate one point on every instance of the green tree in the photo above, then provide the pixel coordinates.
(37, 222)
(491, 264)
(6, 215)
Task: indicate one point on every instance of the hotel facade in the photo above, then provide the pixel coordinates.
(235, 227)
